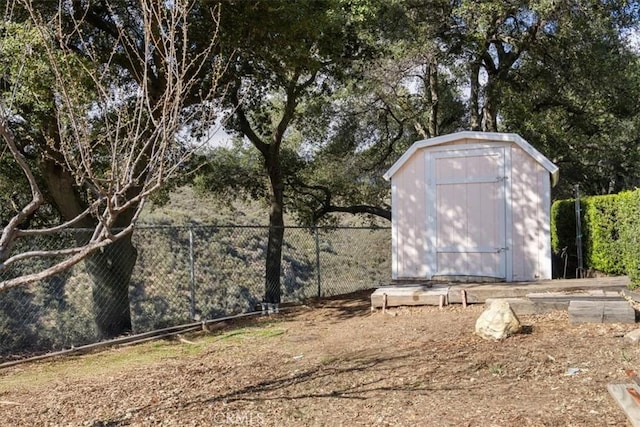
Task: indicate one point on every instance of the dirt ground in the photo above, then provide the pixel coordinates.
(336, 363)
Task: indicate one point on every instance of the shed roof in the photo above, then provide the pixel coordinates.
(480, 136)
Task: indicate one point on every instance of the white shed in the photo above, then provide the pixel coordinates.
(472, 205)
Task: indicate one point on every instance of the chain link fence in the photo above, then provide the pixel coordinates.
(168, 276)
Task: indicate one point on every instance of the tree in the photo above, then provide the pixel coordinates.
(571, 98)
(344, 137)
(556, 72)
(101, 129)
(438, 67)
(405, 93)
(283, 53)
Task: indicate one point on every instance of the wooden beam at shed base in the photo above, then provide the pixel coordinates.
(525, 307)
(479, 292)
(624, 400)
(552, 293)
(409, 295)
(586, 295)
(601, 312)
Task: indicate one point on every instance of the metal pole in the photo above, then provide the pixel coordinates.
(580, 269)
(192, 276)
(318, 261)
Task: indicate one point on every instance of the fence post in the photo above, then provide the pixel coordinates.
(192, 277)
(580, 269)
(318, 261)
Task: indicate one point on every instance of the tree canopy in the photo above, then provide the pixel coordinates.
(95, 100)
(558, 73)
(103, 105)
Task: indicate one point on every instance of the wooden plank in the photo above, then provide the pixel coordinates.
(524, 306)
(409, 295)
(478, 292)
(619, 312)
(590, 295)
(520, 306)
(633, 294)
(625, 401)
(601, 312)
(586, 312)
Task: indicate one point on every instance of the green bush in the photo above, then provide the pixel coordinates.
(629, 233)
(610, 228)
(563, 226)
(602, 249)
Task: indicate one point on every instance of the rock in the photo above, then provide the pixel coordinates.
(633, 336)
(497, 322)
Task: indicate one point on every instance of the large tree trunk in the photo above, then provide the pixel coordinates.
(110, 270)
(434, 99)
(490, 115)
(272, 292)
(474, 97)
(491, 105)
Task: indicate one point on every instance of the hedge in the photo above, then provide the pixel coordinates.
(610, 228)
(563, 226)
(602, 250)
(629, 233)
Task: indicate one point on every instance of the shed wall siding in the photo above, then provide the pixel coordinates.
(527, 213)
(531, 238)
(409, 220)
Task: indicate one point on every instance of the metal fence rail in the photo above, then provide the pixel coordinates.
(182, 274)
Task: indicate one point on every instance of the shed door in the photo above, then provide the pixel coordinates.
(470, 212)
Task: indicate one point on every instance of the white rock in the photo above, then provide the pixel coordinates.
(633, 336)
(497, 322)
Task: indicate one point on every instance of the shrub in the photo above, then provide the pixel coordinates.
(610, 228)
(602, 247)
(629, 233)
(563, 226)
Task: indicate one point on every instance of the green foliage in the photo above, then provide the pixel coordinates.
(563, 226)
(570, 98)
(235, 173)
(629, 233)
(611, 232)
(602, 248)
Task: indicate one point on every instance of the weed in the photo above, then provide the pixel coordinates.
(496, 369)
(328, 360)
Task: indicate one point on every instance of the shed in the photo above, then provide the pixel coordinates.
(470, 206)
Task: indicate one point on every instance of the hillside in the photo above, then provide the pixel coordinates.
(186, 206)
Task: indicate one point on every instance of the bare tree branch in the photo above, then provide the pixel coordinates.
(77, 255)
(120, 113)
(353, 209)
(9, 233)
